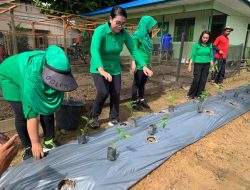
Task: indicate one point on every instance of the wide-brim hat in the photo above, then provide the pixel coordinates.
(229, 27)
(57, 72)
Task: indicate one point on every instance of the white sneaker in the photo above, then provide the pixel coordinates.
(113, 123)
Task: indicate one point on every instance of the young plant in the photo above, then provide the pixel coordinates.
(87, 123)
(164, 122)
(203, 96)
(220, 89)
(130, 107)
(172, 99)
(82, 138)
(111, 154)
(123, 135)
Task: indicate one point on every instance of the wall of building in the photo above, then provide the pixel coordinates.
(240, 25)
(53, 34)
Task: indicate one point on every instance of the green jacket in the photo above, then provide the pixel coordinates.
(21, 80)
(202, 54)
(142, 53)
(106, 48)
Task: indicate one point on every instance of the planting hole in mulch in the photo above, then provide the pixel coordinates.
(234, 105)
(209, 112)
(151, 139)
(66, 184)
(123, 124)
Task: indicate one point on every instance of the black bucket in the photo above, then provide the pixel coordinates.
(68, 117)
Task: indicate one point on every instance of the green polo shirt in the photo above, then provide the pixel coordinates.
(143, 54)
(106, 47)
(202, 54)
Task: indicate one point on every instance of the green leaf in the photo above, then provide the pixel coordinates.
(164, 121)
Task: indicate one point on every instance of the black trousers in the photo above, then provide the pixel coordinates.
(138, 86)
(219, 76)
(47, 122)
(201, 72)
(105, 88)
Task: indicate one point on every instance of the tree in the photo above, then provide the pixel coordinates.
(77, 6)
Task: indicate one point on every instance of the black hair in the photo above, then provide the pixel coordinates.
(118, 11)
(209, 40)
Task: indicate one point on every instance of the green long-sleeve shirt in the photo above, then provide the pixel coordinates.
(21, 80)
(142, 53)
(202, 54)
(106, 48)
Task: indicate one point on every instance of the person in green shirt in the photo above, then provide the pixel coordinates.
(105, 65)
(142, 38)
(34, 83)
(202, 57)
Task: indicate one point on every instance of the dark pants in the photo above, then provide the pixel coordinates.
(219, 76)
(138, 86)
(47, 123)
(200, 78)
(105, 88)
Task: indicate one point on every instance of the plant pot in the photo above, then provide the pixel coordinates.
(171, 108)
(223, 98)
(200, 107)
(133, 122)
(82, 139)
(236, 94)
(68, 117)
(111, 154)
(152, 129)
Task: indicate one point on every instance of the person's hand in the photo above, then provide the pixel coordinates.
(106, 75)
(221, 52)
(37, 151)
(133, 67)
(8, 151)
(147, 71)
(189, 68)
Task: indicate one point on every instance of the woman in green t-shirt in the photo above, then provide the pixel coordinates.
(34, 83)
(202, 57)
(105, 65)
(142, 38)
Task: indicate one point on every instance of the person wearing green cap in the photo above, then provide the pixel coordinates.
(142, 38)
(105, 65)
(34, 83)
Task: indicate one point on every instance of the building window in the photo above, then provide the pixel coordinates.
(164, 28)
(184, 25)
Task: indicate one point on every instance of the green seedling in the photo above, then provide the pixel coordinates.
(123, 136)
(203, 96)
(130, 107)
(164, 122)
(220, 89)
(87, 123)
(172, 99)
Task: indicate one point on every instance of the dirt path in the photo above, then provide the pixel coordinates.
(218, 161)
